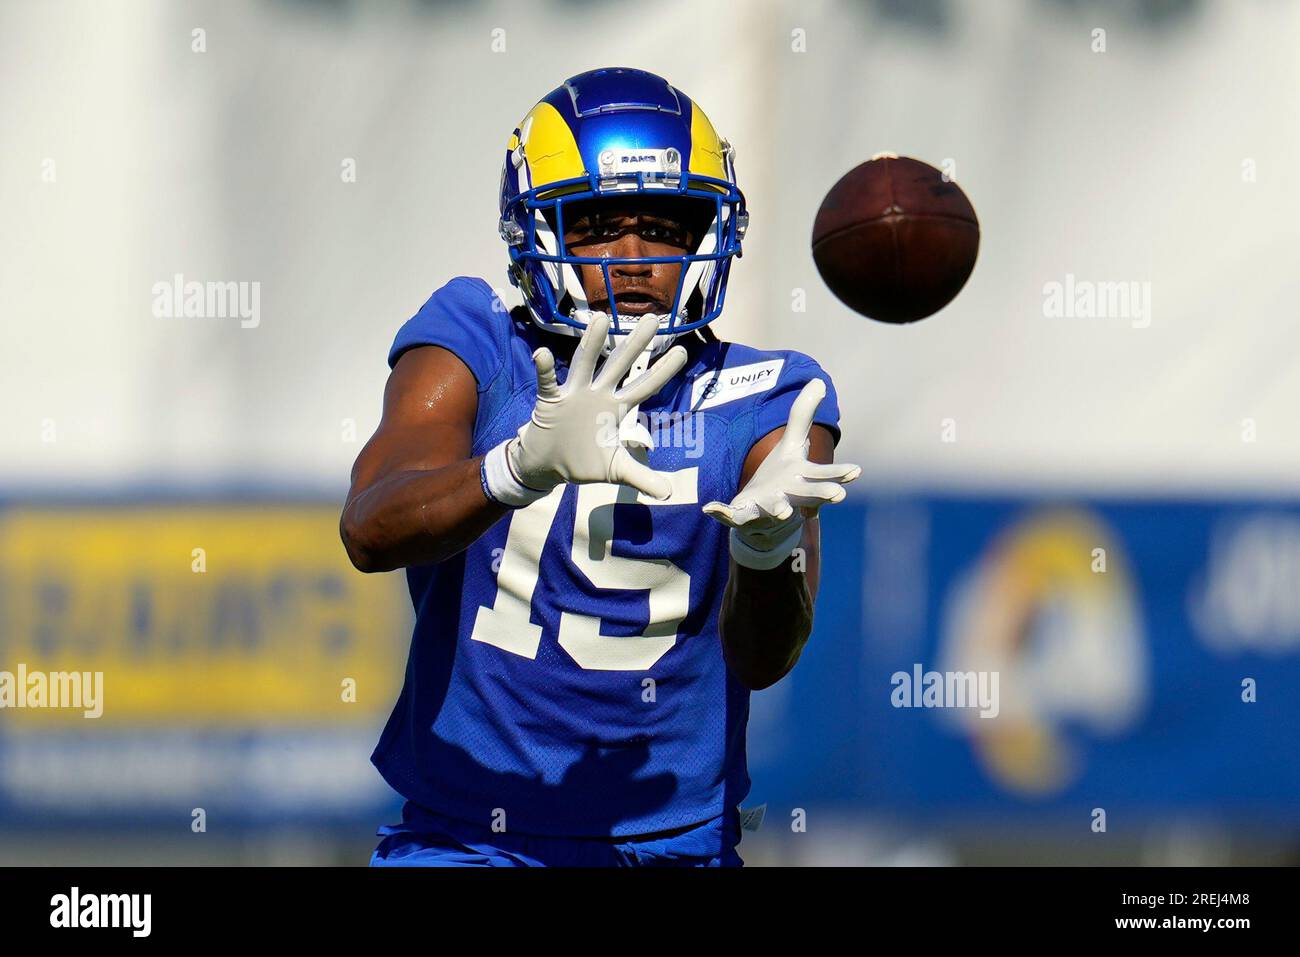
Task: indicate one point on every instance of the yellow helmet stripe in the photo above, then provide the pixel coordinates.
(706, 147)
(549, 146)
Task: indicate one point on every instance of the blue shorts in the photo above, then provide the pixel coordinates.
(427, 839)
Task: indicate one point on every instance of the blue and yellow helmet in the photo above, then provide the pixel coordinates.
(610, 133)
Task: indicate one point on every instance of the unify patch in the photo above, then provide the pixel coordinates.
(727, 385)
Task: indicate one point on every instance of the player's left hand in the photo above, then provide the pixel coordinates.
(767, 515)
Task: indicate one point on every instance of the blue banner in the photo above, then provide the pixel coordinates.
(1144, 657)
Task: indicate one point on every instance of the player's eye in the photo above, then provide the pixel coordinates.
(668, 233)
(586, 233)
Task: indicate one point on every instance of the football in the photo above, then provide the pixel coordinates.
(895, 240)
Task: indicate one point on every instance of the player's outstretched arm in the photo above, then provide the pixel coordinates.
(767, 607)
(416, 497)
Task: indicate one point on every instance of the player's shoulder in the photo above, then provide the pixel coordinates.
(466, 316)
(465, 297)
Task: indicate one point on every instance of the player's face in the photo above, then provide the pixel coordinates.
(631, 229)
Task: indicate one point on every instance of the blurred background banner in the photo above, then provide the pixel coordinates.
(241, 666)
(1097, 505)
(1147, 656)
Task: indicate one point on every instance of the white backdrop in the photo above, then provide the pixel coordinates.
(128, 158)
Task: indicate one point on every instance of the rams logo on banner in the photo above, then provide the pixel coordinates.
(1050, 607)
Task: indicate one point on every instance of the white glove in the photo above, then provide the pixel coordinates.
(573, 434)
(767, 515)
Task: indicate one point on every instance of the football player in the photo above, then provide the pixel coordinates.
(607, 515)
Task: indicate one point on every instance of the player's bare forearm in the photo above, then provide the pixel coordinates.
(765, 621)
(767, 614)
(418, 517)
(416, 495)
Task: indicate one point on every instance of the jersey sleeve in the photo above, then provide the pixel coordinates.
(466, 319)
(774, 408)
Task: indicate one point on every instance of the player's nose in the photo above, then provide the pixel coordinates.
(630, 246)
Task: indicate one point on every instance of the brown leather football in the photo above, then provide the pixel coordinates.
(894, 240)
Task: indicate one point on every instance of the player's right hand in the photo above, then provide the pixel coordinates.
(569, 437)
(767, 515)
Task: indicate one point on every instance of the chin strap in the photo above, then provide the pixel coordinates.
(658, 345)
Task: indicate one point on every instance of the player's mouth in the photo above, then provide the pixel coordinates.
(636, 303)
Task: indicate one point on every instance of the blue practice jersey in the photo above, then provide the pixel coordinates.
(566, 677)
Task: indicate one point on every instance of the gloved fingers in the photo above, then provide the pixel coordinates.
(817, 494)
(801, 414)
(834, 471)
(626, 352)
(751, 507)
(632, 433)
(545, 363)
(588, 351)
(777, 506)
(626, 470)
(654, 378)
(734, 515)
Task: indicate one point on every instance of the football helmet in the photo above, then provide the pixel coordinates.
(610, 133)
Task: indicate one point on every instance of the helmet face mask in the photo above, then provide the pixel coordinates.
(626, 144)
